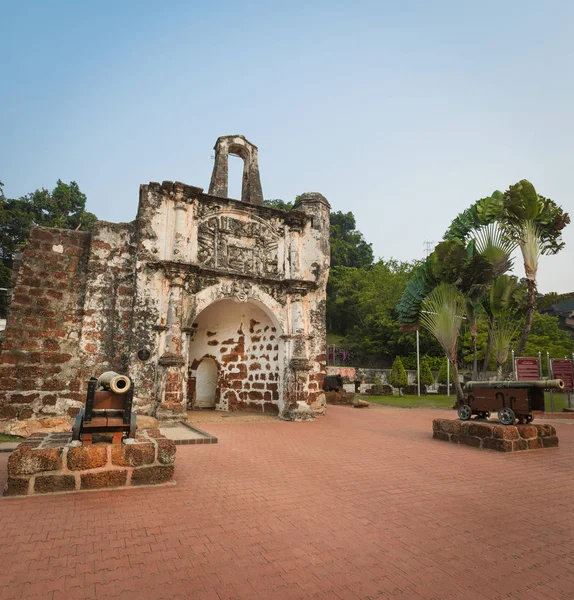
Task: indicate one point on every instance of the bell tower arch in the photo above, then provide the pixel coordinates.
(237, 145)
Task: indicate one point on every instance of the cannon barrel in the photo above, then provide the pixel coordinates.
(543, 384)
(114, 382)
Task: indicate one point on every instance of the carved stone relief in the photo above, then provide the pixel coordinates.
(243, 246)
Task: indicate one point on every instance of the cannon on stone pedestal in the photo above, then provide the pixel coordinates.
(108, 409)
(511, 399)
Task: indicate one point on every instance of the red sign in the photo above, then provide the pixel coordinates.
(563, 369)
(527, 369)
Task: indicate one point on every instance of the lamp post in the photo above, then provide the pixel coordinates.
(418, 368)
(549, 366)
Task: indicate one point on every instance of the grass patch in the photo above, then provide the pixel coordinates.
(4, 437)
(560, 402)
(443, 401)
(412, 401)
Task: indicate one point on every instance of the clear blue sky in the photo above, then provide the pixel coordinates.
(403, 112)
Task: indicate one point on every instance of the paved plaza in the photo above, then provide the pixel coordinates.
(358, 504)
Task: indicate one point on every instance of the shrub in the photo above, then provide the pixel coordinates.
(442, 374)
(427, 378)
(398, 376)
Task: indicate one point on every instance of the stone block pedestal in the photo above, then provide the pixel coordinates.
(493, 436)
(51, 462)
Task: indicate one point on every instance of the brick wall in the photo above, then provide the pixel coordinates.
(40, 372)
(109, 298)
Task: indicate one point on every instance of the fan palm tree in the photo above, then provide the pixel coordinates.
(442, 313)
(535, 224)
(502, 305)
(452, 263)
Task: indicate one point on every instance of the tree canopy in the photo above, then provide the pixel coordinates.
(279, 204)
(63, 207)
(348, 247)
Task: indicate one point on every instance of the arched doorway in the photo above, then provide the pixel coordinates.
(243, 342)
(206, 383)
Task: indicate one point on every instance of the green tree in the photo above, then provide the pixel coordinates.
(279, 204)
(458, 275)
(348, 247)
(427, 378)
(398, 377)
(527, 220)
(442, 314)
(502, 306)
(535, 223)
(361, 308)
(64, 207)
(546, 336)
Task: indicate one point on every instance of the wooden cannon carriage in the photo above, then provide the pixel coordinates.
(108, 409)
(511, 399)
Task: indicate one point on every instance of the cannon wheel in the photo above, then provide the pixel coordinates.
(77, 427)
(506, 416)
(464, 412)
(133, 425)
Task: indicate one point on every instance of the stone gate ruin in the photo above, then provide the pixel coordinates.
(202, 299)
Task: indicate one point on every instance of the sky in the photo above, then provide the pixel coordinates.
(403, 112)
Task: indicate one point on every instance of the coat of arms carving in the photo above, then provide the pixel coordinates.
(239, 245)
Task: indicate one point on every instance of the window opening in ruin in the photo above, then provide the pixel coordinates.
(235, 177)
(206, 383)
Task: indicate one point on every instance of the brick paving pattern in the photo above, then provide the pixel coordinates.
(360, 504)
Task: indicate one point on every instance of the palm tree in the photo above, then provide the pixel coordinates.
(501, 306)
(442, 314)
(501, 334)
(452, 263)
(471, 272)
(535, 224)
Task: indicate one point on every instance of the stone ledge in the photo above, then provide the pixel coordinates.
(493, 436)
(51, 462)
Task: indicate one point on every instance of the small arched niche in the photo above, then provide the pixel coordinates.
(206, 383)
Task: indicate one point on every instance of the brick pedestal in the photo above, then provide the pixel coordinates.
(493, 436)
(51, 462)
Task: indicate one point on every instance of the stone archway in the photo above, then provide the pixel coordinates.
(244, 339)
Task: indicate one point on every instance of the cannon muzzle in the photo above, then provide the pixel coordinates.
(543, 384)
(114, 382)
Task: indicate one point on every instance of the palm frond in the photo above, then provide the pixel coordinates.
(491, 243)
(502, 331)
(442, 312)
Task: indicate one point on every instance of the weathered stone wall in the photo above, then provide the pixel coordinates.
(40, 370)
(108, 302)
(244, 343)
(492, 436)
(51, 462)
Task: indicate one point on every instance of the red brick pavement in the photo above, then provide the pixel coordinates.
(360, 504)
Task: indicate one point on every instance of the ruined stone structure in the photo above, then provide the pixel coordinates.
(203, 300)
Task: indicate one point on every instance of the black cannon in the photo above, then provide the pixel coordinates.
(108, 409)
(332, 383)
(511, 399)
